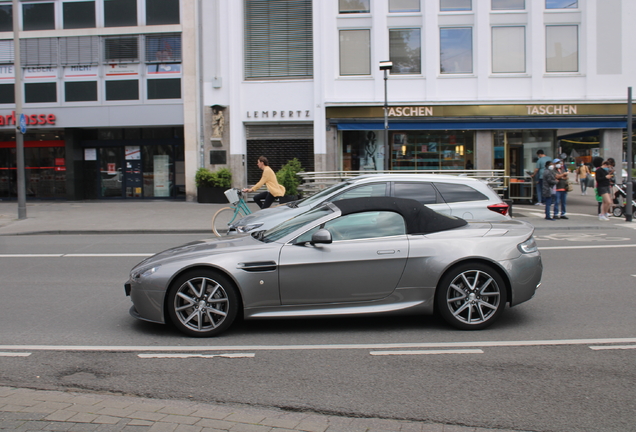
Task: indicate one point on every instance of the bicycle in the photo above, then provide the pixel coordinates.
(224, 217)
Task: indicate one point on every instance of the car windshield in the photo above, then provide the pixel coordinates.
(291, 225)
(320, 196)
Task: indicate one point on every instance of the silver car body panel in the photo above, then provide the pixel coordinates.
(397, 274)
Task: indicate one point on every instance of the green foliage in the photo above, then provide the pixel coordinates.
(288, 176)
(206, 178)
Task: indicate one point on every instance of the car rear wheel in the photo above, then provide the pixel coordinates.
(471, 296)
(202, 303)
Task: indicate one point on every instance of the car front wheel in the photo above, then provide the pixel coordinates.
(471, 296)
(202, 303)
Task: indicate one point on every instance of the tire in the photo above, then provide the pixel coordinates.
(617, 211)
(471, 296)
(221, 221)
(202, 303)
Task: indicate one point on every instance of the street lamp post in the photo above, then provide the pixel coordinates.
(386, 66)
(630, 186)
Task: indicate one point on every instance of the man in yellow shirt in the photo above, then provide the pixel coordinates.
(265, 199)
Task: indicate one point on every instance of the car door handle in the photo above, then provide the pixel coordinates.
(386, 252)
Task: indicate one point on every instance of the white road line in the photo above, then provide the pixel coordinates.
(613, 347)
(377, 346)
(102, 255)
(14, 354)
(603, 246)
(424, 352)
(183, 356)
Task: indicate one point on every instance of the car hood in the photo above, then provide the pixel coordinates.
(270, 217)
(206, 247)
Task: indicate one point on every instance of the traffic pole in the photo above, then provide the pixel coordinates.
(19, 137)
(630, 186)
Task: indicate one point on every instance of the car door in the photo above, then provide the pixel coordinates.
(364, 262)
(423, 192)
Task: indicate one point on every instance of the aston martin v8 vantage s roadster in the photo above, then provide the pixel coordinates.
(381, 255)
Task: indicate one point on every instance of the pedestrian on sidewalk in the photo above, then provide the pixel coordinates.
(538, 175)
(582, 175)
(561, 174)
(603, 178)
(549, 187)
(265, 199)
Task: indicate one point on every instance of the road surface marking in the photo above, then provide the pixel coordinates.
(14, 354)
(72, 255)
(371, 346)
(604, 246)
(424, 352)
(613, 347)
(183, 356)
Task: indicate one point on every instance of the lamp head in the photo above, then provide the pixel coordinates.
(386, 65)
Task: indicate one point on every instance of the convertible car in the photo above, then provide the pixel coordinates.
(382, 255)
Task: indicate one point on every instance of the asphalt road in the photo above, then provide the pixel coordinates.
(563, 361)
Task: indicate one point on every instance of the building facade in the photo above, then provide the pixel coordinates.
(474, 84)
(103, 86)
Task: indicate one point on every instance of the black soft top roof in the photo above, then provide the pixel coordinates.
(419, 219)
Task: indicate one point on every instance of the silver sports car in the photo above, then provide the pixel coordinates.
(380, 255)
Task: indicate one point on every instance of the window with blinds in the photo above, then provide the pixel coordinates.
(163, 48)
(6, 51)
(39, 52)
(79, 50)
(278, 39)
(121, 49)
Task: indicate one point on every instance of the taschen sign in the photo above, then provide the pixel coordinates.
(31, 119)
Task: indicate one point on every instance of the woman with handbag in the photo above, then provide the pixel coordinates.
(582, 174)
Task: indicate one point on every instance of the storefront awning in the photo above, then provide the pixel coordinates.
(485, 125)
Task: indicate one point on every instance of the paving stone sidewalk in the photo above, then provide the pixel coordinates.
(42, 410)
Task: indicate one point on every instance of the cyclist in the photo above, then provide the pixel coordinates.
(274, 189)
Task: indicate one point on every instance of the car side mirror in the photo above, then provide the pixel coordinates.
(322, 236)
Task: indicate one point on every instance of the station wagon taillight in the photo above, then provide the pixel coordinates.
(501, 208)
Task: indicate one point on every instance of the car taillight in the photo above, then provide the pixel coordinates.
(501, 208)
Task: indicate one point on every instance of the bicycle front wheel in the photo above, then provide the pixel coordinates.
(221, 221)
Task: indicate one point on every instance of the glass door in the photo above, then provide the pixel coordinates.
(110, 161)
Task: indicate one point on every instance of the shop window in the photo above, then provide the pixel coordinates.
(164, 88)
(562, 48)
(508, 50)
(120, 13)
(278, 39)
(157, 162)
(121, 49)
(80, 91)
(405, 47)
(455, 5)
(354, 6)
(404, 5)
(163, 48)
(430, 150)
(456, 50)
(355, 52)
(561, 4)
(162, 12)
(79, 14)
(6, 18)
(508, 5)
(7, 94)
(38, 16)
(122, 90)
(40, 92)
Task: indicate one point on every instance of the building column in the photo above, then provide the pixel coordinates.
(612, 145)
(484, 148)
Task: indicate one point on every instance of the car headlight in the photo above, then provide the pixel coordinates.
(528, 246)
(145, 272)
(248, 228)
